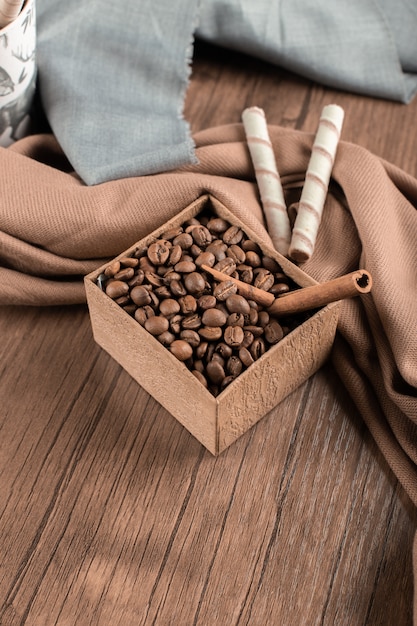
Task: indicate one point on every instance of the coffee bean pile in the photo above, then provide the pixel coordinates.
(206, 324)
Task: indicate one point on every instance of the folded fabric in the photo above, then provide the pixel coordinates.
(112, 79)
(360, 45)
(113, 75)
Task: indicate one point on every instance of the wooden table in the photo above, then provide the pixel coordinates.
(112, 514)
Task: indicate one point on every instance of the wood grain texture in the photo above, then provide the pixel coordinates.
(112, 513)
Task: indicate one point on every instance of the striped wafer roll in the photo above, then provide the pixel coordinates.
(267, 177)
(316, 183)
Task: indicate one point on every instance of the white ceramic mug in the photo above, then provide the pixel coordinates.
(17, 75)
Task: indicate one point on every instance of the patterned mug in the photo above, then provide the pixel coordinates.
(17, 75)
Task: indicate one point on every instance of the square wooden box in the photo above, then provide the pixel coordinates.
(215, 421)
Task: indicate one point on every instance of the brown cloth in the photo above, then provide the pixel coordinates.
(54, 230)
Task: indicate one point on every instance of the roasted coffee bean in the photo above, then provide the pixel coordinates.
(129, 261)
(126, 273)
(123, 301)
(245, 356)
(188, 304)
(270, 264)
(191, 336)
(257, 349)
(158, 252)
(169, 307)
(226, 266)
(256, 331)
(200, 377)
(117, 288)
(140, 316)
(175, 324)
(263, 318)
(192, 321)
(143, 313)
(280, 277)
(216, 356)
(226, 381)
(224, 350)
(163, 292)
(154, 299)
(273, 332)
(210, 333)
(194, 283)
(214, 317)
(211, 348)
(233, 336)
(184, 240)
(181, 349)
(171, 233)
(207, 301)
(185, 267)
(175, 255)
(137, 279)
(234, 366)
(253, 259)
(205, 258)
(236, 319)
(278, 288)
(161, 270)
(112, 269)
(153, 279)
(215, 372)
(224, 289)
(201, 235)
(201, 350)
(232, 235)
(170, 275)
(177, 288)
(140, 251)
(195, 251)
(263, 279)
(166, 338)
(217, 225)
(156, 324)
(252, 318)
(249, 244)
(236, 303)
(236, 253)
(245, 273)
(218, 249)
(248, 338)
(130, 308)
(146, 265)
(199, 366)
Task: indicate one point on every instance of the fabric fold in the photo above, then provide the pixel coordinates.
(112, 80)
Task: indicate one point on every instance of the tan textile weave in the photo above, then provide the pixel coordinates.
(54, 230)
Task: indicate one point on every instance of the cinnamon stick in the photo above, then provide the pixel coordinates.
(346, 286)
(306, 298)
